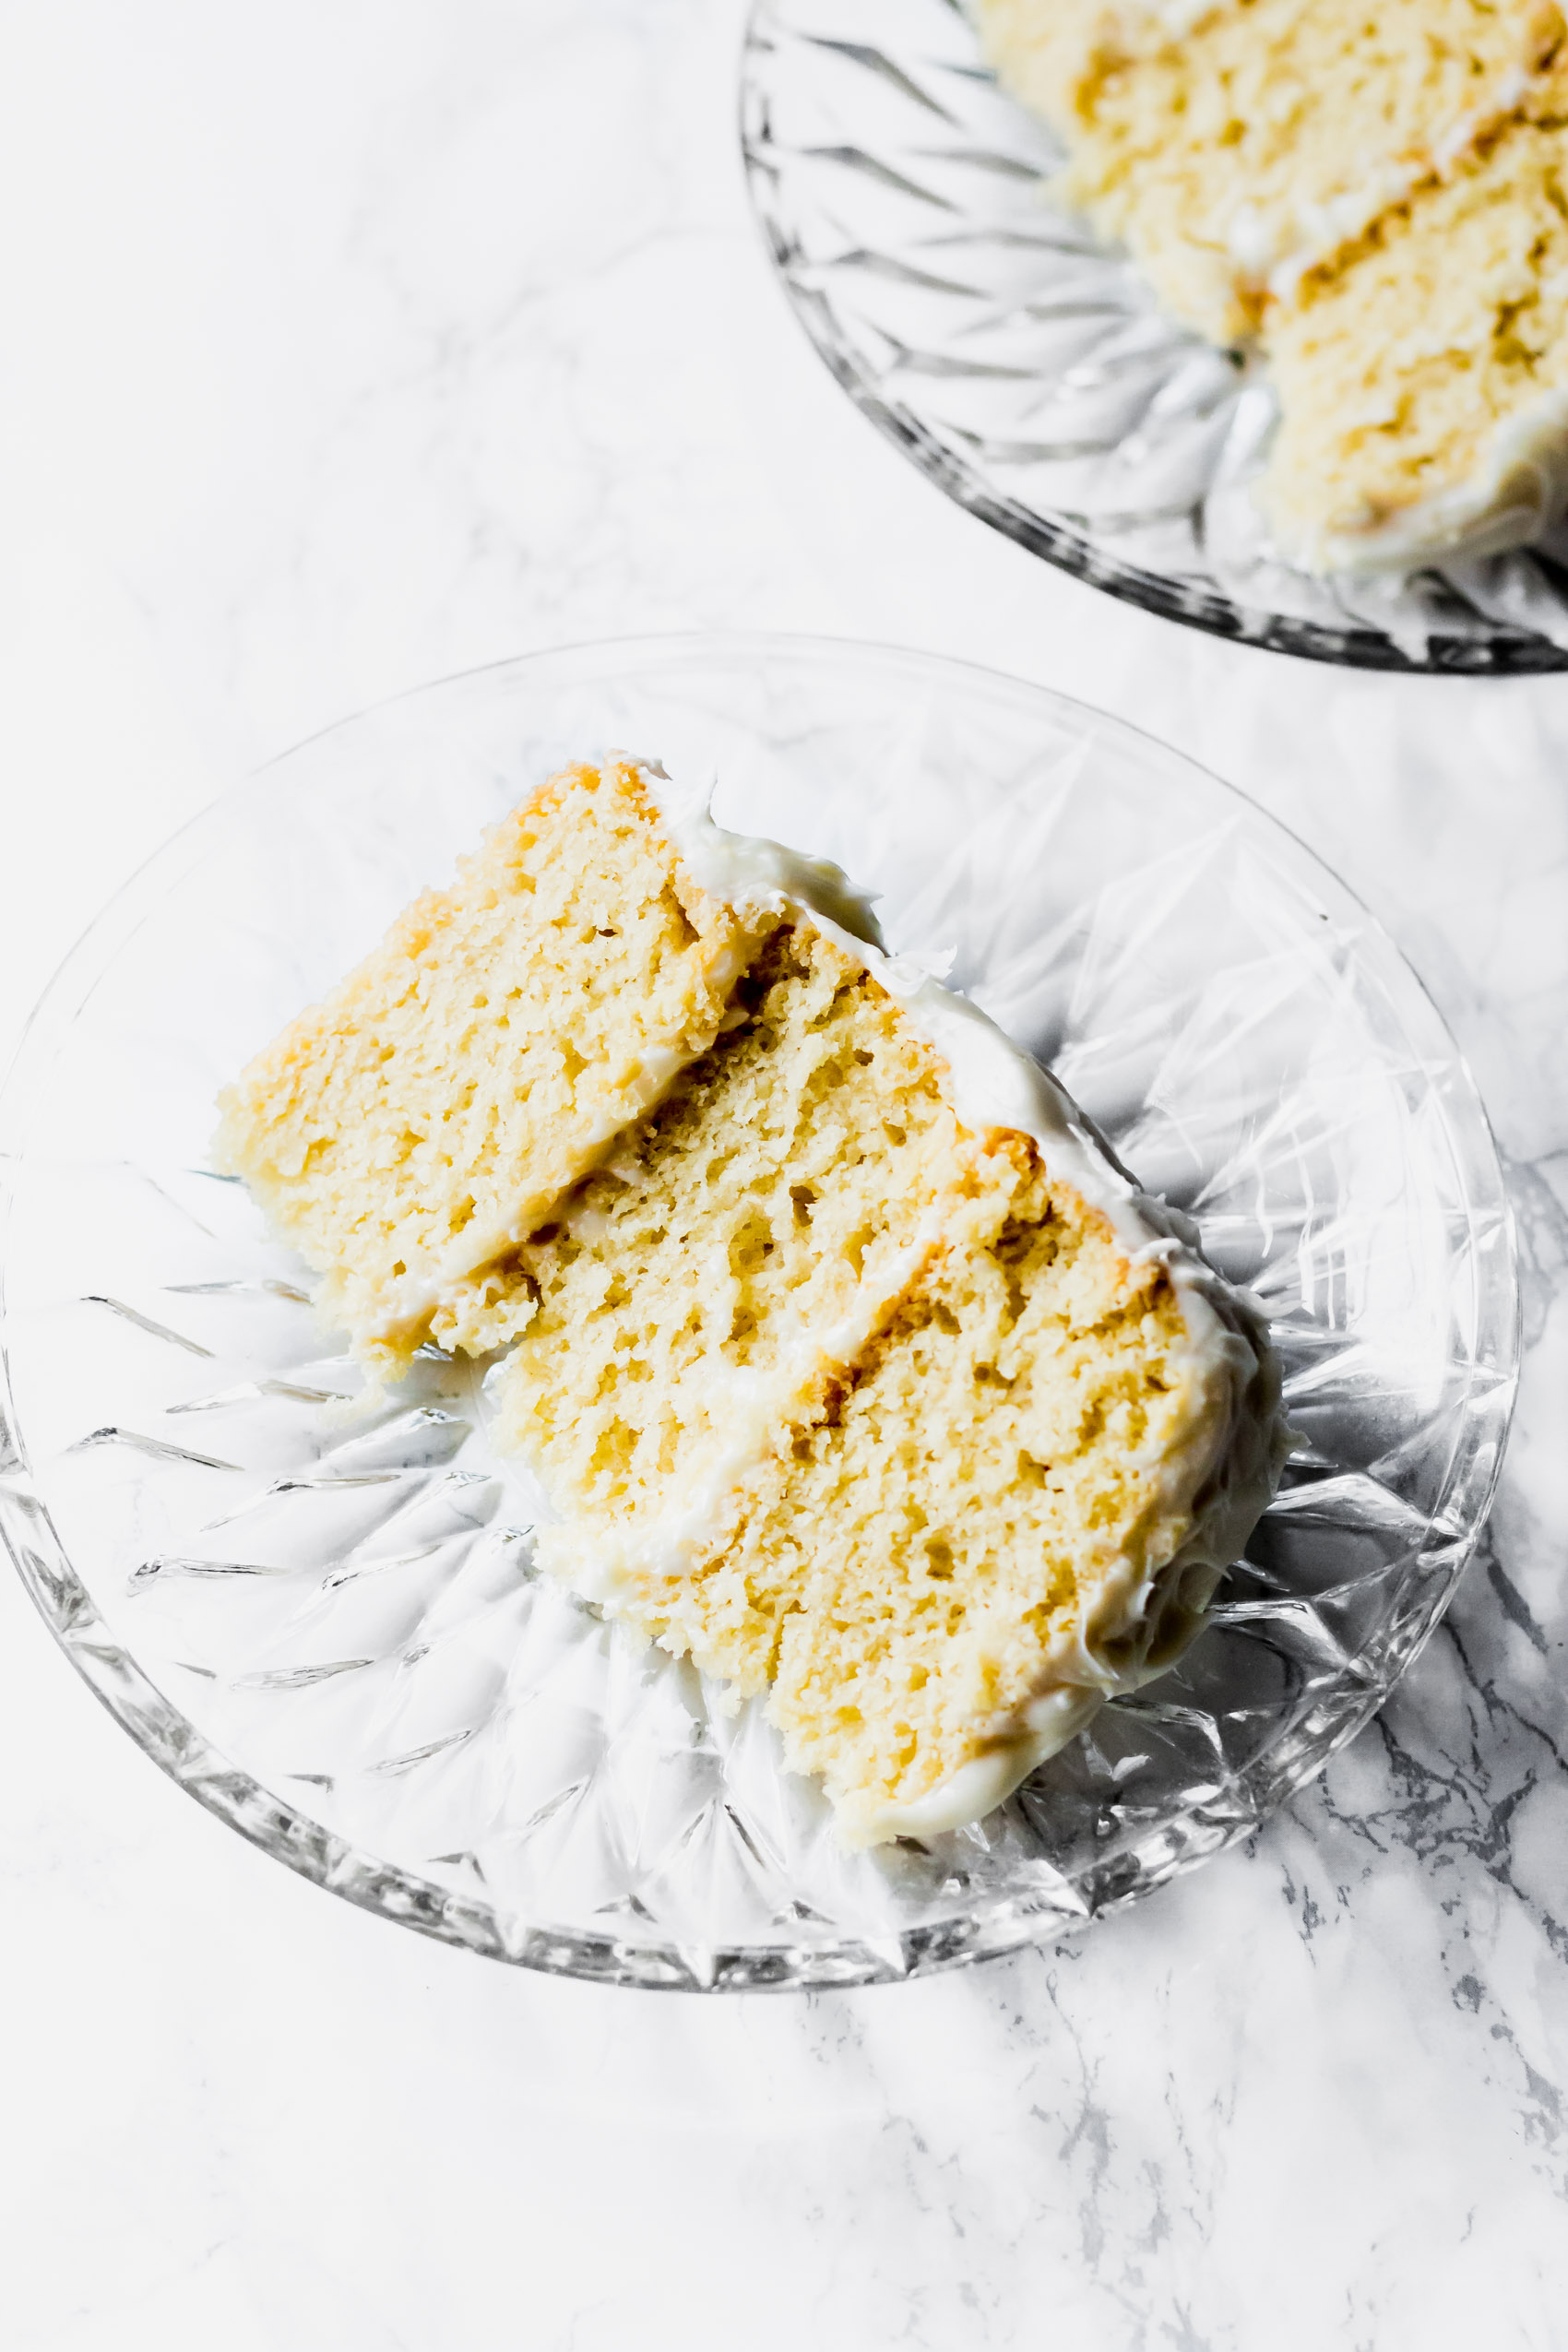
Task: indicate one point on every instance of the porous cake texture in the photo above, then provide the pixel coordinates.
(430, 1110)
(851, 1367)
(1234, 145)
(702, 1290)
(1309, 176)
(994, 1477)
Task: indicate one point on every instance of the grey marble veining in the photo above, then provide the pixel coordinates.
(356, 344)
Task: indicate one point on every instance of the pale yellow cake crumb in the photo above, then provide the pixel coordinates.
(684, 1291)
(1403, 367)
(1230, 147)
(996, 1478)
(425, 1115)
(1376, 198)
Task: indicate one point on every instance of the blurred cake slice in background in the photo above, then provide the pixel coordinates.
(1373, 199)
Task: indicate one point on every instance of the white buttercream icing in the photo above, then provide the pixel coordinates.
(1270, 257)
(1178, 17)
(1516, 494)
(987, 1781)
(752, 1406)
(1322, 228)
(1270, 252)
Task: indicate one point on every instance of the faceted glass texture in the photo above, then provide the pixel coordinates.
(327, 1624)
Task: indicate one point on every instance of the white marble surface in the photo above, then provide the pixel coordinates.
(350, 344)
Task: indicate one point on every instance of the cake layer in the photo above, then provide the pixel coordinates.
(1233, 146)
(1423, 380)
(425, 1116)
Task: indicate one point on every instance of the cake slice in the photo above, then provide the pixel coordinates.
(1234, 145)
(1423, 377)
(849, 1363)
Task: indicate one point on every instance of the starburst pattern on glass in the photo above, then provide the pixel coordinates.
(328, 1625)
(1026, 368)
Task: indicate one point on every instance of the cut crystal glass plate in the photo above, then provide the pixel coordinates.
(324, 1620)
(1026, 368)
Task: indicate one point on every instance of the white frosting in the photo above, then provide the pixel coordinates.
(1178, 17)
(987, 1781)
(993, 1084)
(1516, 494)
(1324, 228)
(1270, 257)
(1251, 241)
(751, 1407)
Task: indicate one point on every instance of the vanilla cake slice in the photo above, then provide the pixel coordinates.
(849, 1363)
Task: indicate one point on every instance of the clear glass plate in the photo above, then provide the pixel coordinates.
(328, 1627)
(1026, 368)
